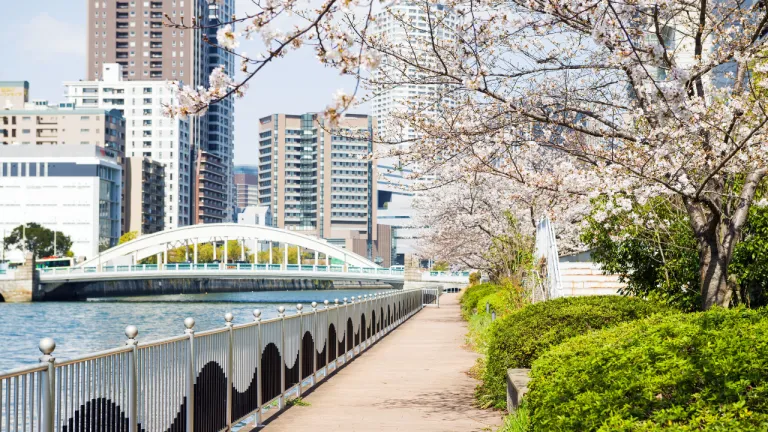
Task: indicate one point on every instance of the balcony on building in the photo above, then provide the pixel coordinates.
(156, 5)
(155, 74)
(121, 5)
(121, 55)
(156, 64)
(156, 15)
(156, 54)
(121, 25)
(122, 15)
(121, 45)
(156, 35)
(121, 35)
(155, 44)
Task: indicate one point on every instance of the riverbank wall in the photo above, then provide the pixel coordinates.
(160, 286)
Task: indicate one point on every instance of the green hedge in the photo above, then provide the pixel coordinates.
(682, 372)
(518, 339)
(472, 295)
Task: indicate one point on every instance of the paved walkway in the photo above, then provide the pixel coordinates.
(412, 380)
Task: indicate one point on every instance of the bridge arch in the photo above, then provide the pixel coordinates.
(158, 243)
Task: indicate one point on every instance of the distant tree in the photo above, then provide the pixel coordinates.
(37, 239)
(125, 238)
(440, 266)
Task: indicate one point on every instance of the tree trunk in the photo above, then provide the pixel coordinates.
(713, 273)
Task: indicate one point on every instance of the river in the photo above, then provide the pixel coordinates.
(82, 327)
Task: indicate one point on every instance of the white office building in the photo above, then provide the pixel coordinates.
(395, 190)
(74, 189)
(148, 133)
(255, 215)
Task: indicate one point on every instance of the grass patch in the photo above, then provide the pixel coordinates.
(518, 421)
(297, 402)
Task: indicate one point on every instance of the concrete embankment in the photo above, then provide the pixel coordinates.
(160, 286)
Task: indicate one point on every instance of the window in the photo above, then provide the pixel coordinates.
(33, 170)
(84, 130)
(85, 118)
(25, 131)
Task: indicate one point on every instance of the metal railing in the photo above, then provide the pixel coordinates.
(200, 381)
(431, 296)
(224, 267)
(546, 248)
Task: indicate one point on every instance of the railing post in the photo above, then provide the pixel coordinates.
(189, 323)
(346, 340)
(336, 360)
(281, 314)
(228, 317)
(299, 307)
(133, 397)
(47, 385)
(327, 338)
(314, 347)
(259, 402)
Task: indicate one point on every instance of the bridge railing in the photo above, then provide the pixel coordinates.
(200, 381)
(223, 267)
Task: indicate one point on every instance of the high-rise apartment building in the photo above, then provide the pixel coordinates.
(318, 179)
(211, 187)
(247, 182)
(405, 26)
(132, 33)
(148, 133)
(144, 195)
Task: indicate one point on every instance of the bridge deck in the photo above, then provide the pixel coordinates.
(412, 380)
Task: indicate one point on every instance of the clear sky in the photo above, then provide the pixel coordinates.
(44, 42)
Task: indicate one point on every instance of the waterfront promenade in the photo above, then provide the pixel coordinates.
(413, 380)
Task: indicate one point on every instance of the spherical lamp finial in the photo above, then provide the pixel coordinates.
(189, 322)
(131, 332)
(46, 346)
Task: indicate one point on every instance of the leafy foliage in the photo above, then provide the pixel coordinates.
(37, 239)
(653, 249)
(125, 238)
(474, 278)
(517, 340)
(679, 372)
(519, 420)
(470, 298)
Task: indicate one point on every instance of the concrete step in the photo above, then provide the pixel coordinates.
(589, 292)
(590, 285)
(588, 278)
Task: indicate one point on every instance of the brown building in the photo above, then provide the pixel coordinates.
(247, 183)
(144, 195)
(210, 189)
(134, 34)
(318, 180)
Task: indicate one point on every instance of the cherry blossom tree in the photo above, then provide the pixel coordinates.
(569, 98)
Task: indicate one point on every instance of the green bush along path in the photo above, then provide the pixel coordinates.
(678, 372)
(518, 339)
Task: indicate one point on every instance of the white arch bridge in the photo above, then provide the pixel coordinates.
(119, 271)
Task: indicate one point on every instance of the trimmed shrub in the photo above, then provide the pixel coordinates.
(474, 278)
(472, 295)
(519, 338)
(682, 372)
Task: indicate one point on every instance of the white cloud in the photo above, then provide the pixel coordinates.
(45, 37)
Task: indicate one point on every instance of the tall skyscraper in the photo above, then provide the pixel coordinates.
(132, 34)
(317, 179)
(404, 25)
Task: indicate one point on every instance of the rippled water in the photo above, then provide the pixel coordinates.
(82, 327)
